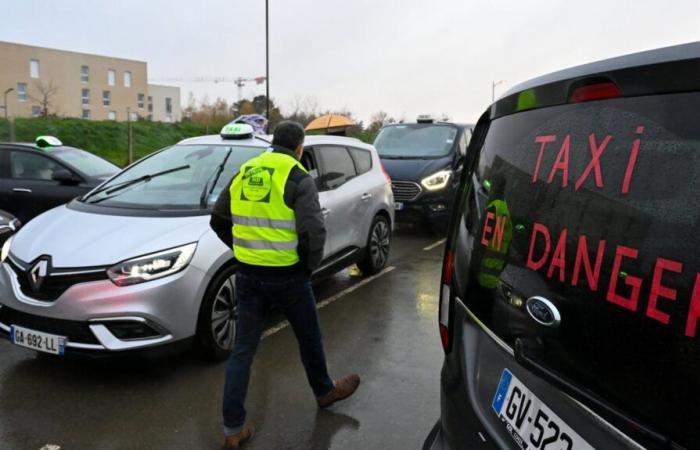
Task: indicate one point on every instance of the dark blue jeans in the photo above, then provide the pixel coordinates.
(256, 295)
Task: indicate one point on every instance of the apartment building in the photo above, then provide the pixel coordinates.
(70, 84)
(164, 103)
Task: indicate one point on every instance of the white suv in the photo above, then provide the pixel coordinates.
(135, 265)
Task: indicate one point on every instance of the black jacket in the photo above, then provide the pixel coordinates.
(301, 195)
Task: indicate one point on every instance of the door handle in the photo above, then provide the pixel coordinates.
(325, 212)
(26, 191)
(366, 196)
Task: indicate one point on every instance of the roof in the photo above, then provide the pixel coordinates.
(216, 139)
(656, 56)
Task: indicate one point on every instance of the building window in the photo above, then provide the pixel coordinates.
(127, 79)
(86, 114)
(111, 77)
(22, 92)
(34, 68)
(84, 74)
(133, 116)
(150, 104)
(86, 96)
(106, 98)
(112, 115)
(140, 100)
(36, 110)
(168, 105)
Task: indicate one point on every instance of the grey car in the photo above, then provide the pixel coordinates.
(134, 265)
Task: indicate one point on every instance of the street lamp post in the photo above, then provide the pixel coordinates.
(493, 89)
(267, 62)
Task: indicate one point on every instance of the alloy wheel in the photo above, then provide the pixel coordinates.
(379, 243)
(224, 313)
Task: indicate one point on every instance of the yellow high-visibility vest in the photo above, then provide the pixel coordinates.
(264, 227)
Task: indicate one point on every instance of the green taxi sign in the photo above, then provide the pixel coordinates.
(47, 142)
(237, 131)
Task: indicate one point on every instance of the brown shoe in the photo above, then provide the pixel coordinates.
(343, 389)
(235, 440)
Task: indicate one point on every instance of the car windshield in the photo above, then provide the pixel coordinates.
(179, 189)
(415, 141)
(89, 164)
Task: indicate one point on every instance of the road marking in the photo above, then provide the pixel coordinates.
(50, 447)
(281, 326)
(436, 244)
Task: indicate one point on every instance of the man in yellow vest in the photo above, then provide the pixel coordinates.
(271, 217)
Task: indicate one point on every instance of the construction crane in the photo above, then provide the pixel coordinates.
(240, 81)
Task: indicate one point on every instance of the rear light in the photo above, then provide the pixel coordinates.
(444, 314)
(386, 175)
(596, 91)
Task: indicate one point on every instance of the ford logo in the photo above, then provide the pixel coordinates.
(543, 311)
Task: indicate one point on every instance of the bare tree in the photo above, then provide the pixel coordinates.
(45, 97)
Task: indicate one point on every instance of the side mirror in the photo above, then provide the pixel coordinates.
(65, 176)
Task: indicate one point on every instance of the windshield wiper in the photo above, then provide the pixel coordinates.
(109, 190)
(206, 192)
(262, 139)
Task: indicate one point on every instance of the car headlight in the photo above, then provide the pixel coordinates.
(151, 267)
(437, 180)
(6, 249)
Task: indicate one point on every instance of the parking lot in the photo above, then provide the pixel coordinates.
(383, 327)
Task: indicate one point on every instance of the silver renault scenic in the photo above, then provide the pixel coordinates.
(133, 265)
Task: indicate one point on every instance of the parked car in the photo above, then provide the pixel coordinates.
(134, 264)
(37, 177)
(570, 294)
(8, 226)
(424, 160)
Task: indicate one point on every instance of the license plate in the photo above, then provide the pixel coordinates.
(529, 421)
(36, 340)
(398, 206)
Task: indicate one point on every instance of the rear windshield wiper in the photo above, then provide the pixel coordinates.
(206, 192)
(109, 190)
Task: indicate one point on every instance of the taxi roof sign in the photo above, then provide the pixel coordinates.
(47, 141)
(237, 131)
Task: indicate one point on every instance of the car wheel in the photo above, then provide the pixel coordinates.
(378, 245)
(216, 327)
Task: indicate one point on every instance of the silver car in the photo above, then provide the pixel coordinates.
(134, 264)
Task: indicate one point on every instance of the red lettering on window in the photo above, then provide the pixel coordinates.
(632, 162)
(497, 241)
(562, 163)
(634, 282)
(559, 258)
(694, 311)
(658, 290)
(487, 228)
(596, 153)
(538, 228)
(543, 141)
(592, 274)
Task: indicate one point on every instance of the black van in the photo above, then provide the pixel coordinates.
(570, 300)
(423, 160)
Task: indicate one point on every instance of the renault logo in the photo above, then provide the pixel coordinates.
(38, 272)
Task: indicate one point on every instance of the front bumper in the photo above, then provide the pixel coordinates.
(101, 317)
(431, 206)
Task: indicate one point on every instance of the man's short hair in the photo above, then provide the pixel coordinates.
(288, 134)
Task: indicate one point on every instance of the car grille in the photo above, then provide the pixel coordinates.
(56, 283)
(74, 330)
(405, 191)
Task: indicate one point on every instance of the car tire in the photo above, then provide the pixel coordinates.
(376, 253)
(216, 325)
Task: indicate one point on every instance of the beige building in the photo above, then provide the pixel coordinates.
(70, 84)
(164, 103)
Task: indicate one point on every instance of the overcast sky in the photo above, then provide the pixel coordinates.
(405, 57)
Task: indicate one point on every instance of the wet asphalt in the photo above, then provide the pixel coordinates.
(385, 329)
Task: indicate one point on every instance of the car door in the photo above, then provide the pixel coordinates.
(310, 163)
(31, 185)
(342, 196)
(5, 189)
